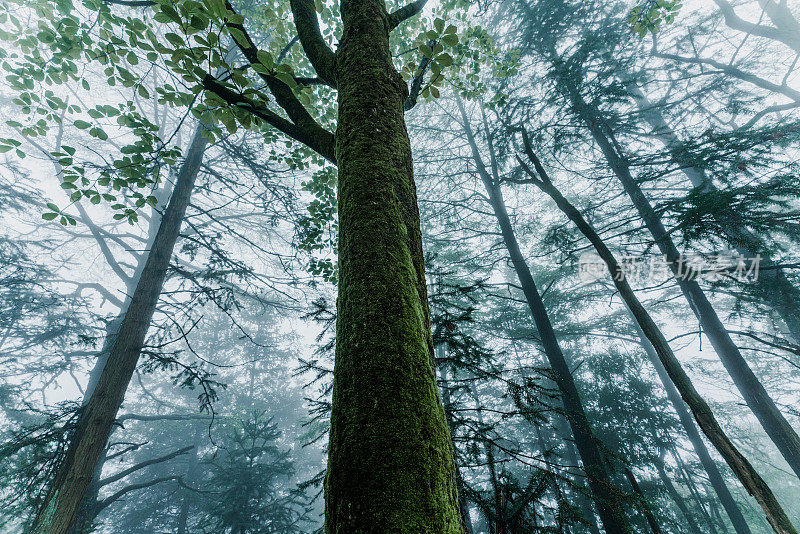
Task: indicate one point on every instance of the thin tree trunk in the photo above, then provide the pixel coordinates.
(583, 503)
(648, 514)
(748, 476)
(96, 418)
(674, 495)
(772, 286)
(688, 481)
(191, 471)
(608, 498)
(690, 426)
(499, 524)
(463, 503)
(390, 461)
(718, 517)
(544, 447)
(709, 465)
(772, 420)
(563, 432)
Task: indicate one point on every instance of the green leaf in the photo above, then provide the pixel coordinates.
(450, 39)
(49, 216)
(239, 36)
(444, 59)
(265, 58)
(174, 39)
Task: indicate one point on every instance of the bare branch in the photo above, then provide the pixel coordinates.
(736, 73)
(786, 32)
(102, 505)
(141, 465)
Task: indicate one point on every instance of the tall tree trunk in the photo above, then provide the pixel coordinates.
(772, 420)
(163, 195)
(607, 497)
(714, 476)
(688, 481)
(645, 506)
(88, 509)
(748, 476)
(772, 286)
(390, 461)
(674, 495)
(583, 502)
(463, 503)
(96, 418)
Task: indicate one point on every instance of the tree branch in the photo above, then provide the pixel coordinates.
(315, 137)
(102, 505)
(283, 94)
(141, 465)
(783, 34)
(131, 3)
(736, 73)
(405, 13)
(416, 84)
(317, 50)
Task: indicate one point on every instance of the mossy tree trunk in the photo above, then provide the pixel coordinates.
(390, 462)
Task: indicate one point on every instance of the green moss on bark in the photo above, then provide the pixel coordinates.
(390, 466)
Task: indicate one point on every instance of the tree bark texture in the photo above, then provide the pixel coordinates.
(390, 462)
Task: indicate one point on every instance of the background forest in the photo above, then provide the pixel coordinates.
(554, 142)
